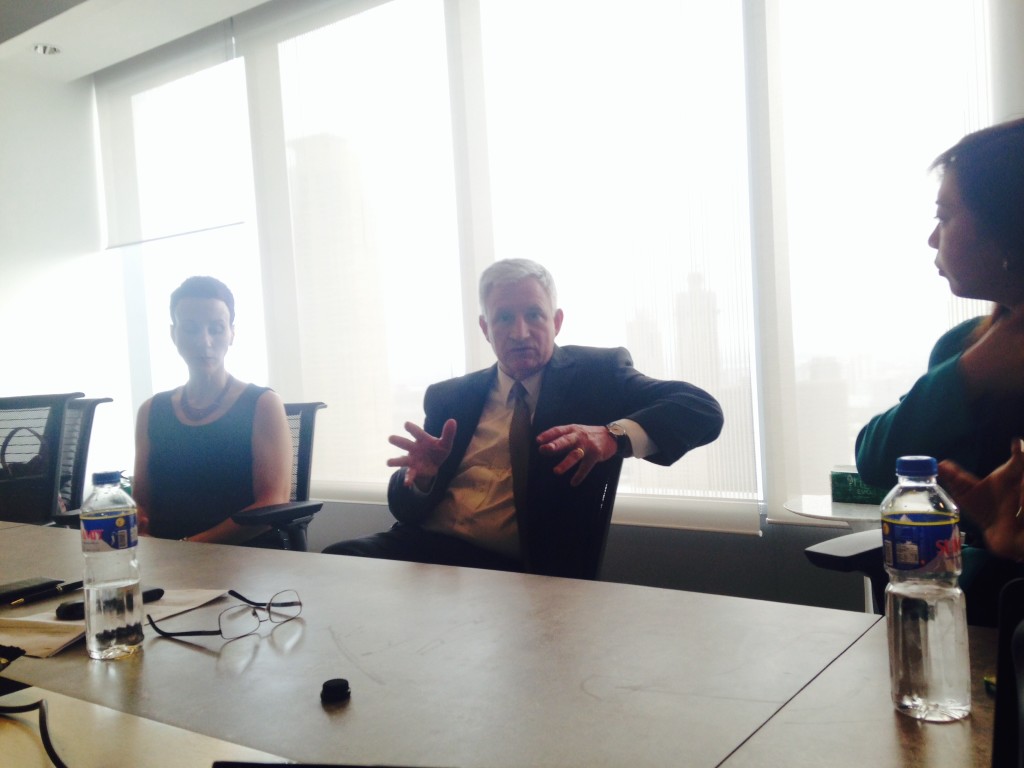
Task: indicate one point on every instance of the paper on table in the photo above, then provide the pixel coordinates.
(41, 635)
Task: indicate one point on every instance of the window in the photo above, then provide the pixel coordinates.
(373, 223)
(732, 190)
(860, 132)
(601, 172)
(192, 198)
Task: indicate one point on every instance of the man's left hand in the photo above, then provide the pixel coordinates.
(583, 446)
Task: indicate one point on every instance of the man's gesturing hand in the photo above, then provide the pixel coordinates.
(584, 447)
(424, 453)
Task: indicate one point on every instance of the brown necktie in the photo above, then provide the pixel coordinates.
(519, 452)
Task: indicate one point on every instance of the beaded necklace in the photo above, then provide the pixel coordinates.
(198, 414)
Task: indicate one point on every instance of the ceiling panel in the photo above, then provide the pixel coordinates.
(94, 34)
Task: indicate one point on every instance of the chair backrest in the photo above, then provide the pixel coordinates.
(31, 429)
(572, 543)
(74, 448)
(1007, 751)
(301, 421)
(605, 516)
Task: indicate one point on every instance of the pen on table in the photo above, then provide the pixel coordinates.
(57, 591)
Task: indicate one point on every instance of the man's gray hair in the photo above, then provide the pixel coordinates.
(512, 271)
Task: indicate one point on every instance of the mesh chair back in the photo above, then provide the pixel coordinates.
(31, 428)
(74, 449)
(301, 421)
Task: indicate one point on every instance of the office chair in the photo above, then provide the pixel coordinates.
(291, 519)
(74, 454)
(595, 540)
(31, 429)
(855, 553)
(572, 544)
(1007, 746)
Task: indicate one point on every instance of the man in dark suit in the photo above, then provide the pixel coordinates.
(471, 492)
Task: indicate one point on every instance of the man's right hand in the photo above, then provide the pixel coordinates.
(424, 453)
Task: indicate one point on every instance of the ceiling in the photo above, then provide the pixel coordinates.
(16, 16)
(93, 34)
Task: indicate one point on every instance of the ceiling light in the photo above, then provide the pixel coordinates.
(46, 50)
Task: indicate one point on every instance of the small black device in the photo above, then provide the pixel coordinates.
(74, 610)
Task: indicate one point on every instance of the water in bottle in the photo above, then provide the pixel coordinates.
(929, 664)
(113, 602)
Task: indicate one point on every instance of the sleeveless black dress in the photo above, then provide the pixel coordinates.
(199, 475)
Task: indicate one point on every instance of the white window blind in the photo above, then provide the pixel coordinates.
(866, 106)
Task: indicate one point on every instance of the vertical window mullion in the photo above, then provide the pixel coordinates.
(472, 179)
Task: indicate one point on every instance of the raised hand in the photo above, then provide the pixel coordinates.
(424, 453)
(994, 502)
(586, 446)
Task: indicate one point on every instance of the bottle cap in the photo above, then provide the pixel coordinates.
(916, 466)
(106, 478)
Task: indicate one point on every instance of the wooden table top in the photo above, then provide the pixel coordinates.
(845, 717)
(448, 666)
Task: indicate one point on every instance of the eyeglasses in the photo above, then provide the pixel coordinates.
(240, 620)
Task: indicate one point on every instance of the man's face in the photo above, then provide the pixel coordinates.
(521, 326)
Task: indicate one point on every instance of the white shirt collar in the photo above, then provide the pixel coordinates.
(531, 384)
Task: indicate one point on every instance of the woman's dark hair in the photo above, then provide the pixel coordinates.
(200, 287)
(989, 168)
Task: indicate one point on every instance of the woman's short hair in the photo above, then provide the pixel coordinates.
(989, 169)
(512, 271)
(202, 287)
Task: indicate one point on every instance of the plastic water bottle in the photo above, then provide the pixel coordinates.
(929, 663)
(113, 602)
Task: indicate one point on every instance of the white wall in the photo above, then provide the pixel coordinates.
(59, 332)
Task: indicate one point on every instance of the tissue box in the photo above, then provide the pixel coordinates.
(849, 488)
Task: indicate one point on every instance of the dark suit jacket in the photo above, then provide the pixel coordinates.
(563, 530)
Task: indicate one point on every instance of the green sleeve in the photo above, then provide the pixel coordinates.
(933, 419)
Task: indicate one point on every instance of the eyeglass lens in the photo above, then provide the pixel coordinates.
(241, 620)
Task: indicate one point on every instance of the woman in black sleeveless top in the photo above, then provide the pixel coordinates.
(215, 445)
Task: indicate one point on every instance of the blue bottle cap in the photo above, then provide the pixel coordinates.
(916, 466)
(106, 478)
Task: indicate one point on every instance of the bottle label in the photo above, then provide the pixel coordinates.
(101, 534)
(921, 541)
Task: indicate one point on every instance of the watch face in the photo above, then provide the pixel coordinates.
(623, 446)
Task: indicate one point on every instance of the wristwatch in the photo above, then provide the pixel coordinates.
(623, 447)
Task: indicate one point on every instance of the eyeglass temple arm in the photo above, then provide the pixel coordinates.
(254, 604)
(193, 633)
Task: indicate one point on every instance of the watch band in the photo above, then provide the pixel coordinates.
(623, 445)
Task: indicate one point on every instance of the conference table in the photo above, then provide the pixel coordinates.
(464, 667)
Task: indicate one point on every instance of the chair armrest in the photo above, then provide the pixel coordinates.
(69, 519)
(860, 552)
(278, 514)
